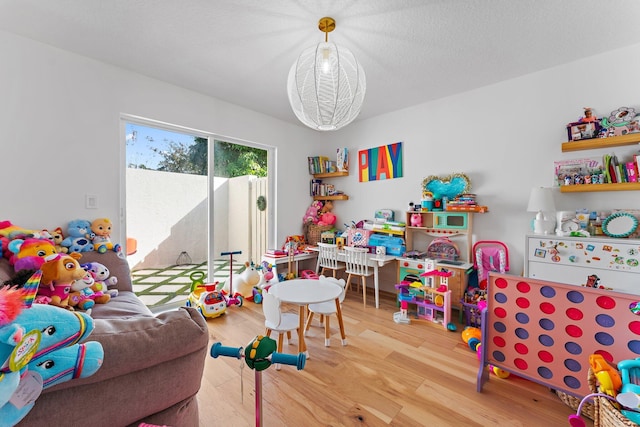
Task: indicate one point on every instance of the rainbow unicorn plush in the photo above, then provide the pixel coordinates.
(40, 346)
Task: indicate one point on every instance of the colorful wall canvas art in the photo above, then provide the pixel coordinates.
(384, 162)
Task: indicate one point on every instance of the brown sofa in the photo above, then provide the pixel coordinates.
(152, 365)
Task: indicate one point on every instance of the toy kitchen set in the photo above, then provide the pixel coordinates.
(442, 231)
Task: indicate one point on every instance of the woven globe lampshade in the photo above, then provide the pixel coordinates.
(326, 84)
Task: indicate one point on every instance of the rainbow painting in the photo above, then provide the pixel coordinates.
(379, 163)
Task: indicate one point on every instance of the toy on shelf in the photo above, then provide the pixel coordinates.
(259, 354)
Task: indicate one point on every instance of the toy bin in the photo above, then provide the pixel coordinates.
(471, 313)
(603, 412)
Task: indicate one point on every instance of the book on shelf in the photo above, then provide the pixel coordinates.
(631, 172)
(275, 253)
(315, 187)
(321, 164)
(342, 159)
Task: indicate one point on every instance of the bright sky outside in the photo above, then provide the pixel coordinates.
(140, 140)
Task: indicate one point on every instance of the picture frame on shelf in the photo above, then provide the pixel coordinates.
(577, 131)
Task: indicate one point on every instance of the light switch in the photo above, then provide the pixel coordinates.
(91, 201)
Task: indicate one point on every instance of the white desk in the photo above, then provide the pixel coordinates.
(375, 261)
(277, 261)
(302, 292)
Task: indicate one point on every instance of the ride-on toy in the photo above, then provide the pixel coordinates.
(259, 355)
(206, 298)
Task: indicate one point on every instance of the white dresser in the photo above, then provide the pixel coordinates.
(572, 260)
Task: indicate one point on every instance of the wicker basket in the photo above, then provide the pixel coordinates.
(605, 414)
(314, 233)
(588, 408)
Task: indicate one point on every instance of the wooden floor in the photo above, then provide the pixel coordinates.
(388, 374)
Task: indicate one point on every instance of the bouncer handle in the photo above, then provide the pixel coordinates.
(298, 360)
(230, 253)
(217, 349)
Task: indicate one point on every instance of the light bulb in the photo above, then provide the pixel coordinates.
(325, 61)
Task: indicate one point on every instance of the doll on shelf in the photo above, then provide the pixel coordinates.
(588, 116)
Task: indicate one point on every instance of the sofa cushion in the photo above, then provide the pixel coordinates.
(136, 343)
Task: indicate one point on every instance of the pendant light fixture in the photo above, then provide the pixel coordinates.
(326, 84)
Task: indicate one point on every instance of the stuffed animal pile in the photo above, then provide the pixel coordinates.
(26, 353)
(64, 282)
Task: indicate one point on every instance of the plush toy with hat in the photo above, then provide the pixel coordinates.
(58, 273)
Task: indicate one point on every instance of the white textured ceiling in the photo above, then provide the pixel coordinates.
(412, 51)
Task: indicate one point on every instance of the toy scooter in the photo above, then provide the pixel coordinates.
(259, 355)
(232, 299)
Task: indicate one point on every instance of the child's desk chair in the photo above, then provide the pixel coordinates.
(357, 264)
(326, 309)
(277, 321)
(328, 259)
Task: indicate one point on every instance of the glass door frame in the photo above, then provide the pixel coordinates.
(211, 137)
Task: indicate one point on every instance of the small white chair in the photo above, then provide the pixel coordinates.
(326, 309)
(277, 321)
(328, 259)
(357, 265)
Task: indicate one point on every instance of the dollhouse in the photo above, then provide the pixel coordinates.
(432, 300)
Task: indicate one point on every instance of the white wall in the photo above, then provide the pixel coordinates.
(60, 135)
(59, 128)
(504, 137)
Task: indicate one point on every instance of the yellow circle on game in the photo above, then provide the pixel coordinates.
(439, 300)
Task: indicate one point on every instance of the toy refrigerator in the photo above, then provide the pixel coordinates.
(600, 262)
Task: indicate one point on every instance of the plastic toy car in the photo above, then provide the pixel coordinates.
(209, 302)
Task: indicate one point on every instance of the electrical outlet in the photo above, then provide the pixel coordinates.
(91, 201)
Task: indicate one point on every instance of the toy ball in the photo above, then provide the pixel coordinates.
(452, 327)
(474, 343)
(471, 336)
(500, 373)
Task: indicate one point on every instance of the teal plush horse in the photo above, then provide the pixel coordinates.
(49, 352)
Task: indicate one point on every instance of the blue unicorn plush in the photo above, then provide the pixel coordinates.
(39, 348)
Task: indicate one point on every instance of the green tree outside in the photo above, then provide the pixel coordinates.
(230, 160)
